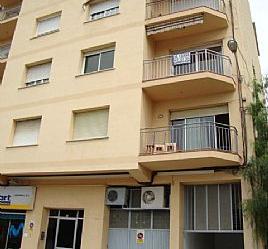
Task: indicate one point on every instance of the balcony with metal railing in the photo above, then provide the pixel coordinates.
(8, 21)
(167, 18)
(10, 12)
(187, 74)
(205, 144)
(4, 51)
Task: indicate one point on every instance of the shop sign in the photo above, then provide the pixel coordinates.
(183, 58)
(140, 237)
(16, 197)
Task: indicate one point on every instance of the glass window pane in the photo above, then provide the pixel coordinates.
(213, 215)
(118, 218)
(135, 196)
(54, 212)
(141, 219)
(51, 233)
(68, 213)
(3, 232)
(81, 214)
(225, 207)
(107, 60)
(78, 234)
(161, 219)
(92, 63)
(15, 234)
(201, 220)
(66, 231)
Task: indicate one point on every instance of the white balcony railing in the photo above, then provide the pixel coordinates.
(190, 62)
(6, 13)
(189, 137)
(156, 8)
(4, 51)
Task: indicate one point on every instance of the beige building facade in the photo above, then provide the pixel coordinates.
(124, 123)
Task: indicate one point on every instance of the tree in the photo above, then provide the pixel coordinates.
(256, 170)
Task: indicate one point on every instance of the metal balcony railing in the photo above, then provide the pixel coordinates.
(6, 13)
(187, 63)
(156, 8)
(4, 51)
(189, 137)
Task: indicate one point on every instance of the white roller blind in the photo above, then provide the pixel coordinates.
(48, 24)
(102, 6)
(91, 124)
(26, 132)
(38, 72)
(199, 112)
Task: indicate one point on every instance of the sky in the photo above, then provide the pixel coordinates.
(259, 12)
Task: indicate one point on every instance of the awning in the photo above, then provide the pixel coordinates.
(178, 24)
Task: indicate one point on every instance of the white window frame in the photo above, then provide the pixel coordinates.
(97, 52)
(59, 218)
(41, 19)
(105, 12)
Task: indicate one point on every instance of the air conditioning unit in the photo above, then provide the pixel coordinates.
(116, 196)
(152, 197)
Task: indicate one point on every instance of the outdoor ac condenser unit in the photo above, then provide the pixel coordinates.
(116, 196)
(152, 197)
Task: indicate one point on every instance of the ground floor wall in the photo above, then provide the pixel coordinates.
(91, 199)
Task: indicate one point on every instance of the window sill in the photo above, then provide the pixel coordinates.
(95, 20)
(21, 146)
(96, 72)
(45, 34)
(87, 139)
(25, 87)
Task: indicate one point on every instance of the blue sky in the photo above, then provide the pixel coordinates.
(259, 9)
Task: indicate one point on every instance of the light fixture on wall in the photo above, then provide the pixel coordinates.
(160, 116)
(232, 45)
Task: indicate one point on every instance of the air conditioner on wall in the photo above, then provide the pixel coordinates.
(116, 196)
(152, 197)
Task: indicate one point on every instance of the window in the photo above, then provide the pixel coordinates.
(11, 225)
(99, 61)
(48, 24)
(64, 229)
(38, 74)
(26, 132)
(103, 9)
(91, 124)
(213, 208)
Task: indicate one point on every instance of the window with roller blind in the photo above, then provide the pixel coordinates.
(26, 132)
(91, 124)
(38, 74)
(103, 9)
(49, 24)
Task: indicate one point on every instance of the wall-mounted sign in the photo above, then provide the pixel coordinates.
(140, 237)
(183, 58)
(16, 197)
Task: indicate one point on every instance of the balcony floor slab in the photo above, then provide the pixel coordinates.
(189, 160)
(190, 85)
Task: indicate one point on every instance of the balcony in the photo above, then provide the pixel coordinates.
(174, 18)
(187, 74)
(4, 51)
(8, 20)
(191, 145)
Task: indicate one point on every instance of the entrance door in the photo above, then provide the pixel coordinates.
(11, 230)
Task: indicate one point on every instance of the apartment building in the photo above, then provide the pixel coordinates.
(123, 123)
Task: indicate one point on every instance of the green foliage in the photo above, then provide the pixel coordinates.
(256, 171)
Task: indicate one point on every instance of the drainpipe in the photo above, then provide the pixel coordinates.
(233, 46)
